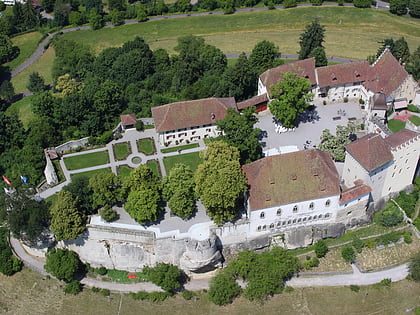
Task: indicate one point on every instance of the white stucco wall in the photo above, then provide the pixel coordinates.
(261, 88)
(191, 134)
(287, 217)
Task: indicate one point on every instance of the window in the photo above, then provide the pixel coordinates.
(311, 206)
(327, 215)
(264, 227)
(262, 215)
(289, 222)
(299, 220)
(279, 211)
(304, 219)
(294, 220)
(327, 203)
(278, 224)
(295, 208)
(310, 218)
(259, 228)
(272, 226)
(284, 223)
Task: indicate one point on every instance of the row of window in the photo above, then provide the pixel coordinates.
(190, 128)
(294, 221)
(295, 208)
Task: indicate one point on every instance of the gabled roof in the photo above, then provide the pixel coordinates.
(129, 119)
(292, 177)
(379, 101)
(387, 74)
(191, 113)
(303, 68)
(253, 101)
(343, 73)
(354, 192)
(371, 151)
(400, 137)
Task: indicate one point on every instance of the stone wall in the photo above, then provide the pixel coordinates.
(71, 145)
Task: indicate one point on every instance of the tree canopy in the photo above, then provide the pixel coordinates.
(291, 98)
(220, 182)
(334, 145)
(238, 131)
(68, 219)
(414, 267)
(167, 276)
(106, 189)
(398, 7)
(311, 38)
(62, 264)
(264, 55)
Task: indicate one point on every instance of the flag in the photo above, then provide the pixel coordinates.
(24, 179)
(7, 181)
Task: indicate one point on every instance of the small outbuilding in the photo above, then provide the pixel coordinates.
(128, 121)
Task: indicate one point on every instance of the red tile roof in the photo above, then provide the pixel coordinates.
(127, 120)
(387, 74)
(292, 177)
(254, 101)
(354, 192)
(371, 151)
(343, 73)
(379, 101)
(400, 137)
(303, 68)
(191, 113)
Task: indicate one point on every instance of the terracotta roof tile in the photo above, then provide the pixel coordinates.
(291, 177)
(400, 137)
(387, 74)
(254, 101)
(343, 73)
(371, 151)
(354, 192)
(379, 101)
(191, 113)
(303, 68)
(129, 119)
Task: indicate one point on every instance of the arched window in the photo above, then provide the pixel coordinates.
(262, 215)
(295, 208)
(272, 226)
(327, 215)
(304, 219)
(311, 206)
(310, 218)
(278, 224)
(327, 203)
(299, 220)
(294, 220)
(259, 228)
(279, 211)
(289, 222)
(264, 227)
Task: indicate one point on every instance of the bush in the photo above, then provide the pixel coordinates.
(187, 295)
(361, 101)
(346, 100)
(390, 216)
(62, 263)
(223, 289)
(105, 292)
(324, 102)
(348, 254)
(288, 289)
(158, 296)
(385, 282)
(358, 245)
(101, 271)
(316, 2)
(321, 248)
(139, 125)
(407, 237)
(389, 238)
(370, 243)
(308, 264)
(95, 289)
(167, 276)
(108, 214)
(362, 3)
(414, 267)
(73, 287)
(354, 288)
(289, 3)
(417, 223)
(141, 295)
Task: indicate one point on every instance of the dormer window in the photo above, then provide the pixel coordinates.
(311, 206)
(279, 211)
(327, 203)
(262, 215)
(295, 208)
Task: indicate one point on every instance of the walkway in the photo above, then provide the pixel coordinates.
(201, 281)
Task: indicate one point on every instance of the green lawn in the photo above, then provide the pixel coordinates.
(89, 174)
(154, 166)
(350, 32)
(27, 44)
(24, 110)
(415, 120)
(124, 171)
(122, 276)
(86, 160)
(147, 146)
(121, 150)
(182, 147)
(192, 160)
(395, 125)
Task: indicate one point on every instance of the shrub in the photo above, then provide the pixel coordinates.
(187, 295)
(390, 216)
(288, 289)
(346, 100)
(385, 282)
(321, 248)
(158, 296)
(105, 292)
(354, 288)
(414, 267)
(316, 2)
(407, 237)
(73, 287)
(62, 263)
(167, 276)
(362, 3)
(289, 3)
(95, 289)
(141, 295)
(223, 289)
(101, 271)
(361, 101)
(108, 214)
(139, 125)
(340, 2)
(370, 243)
(417, 223)
(358, 245)
(389, 238)
(324, 102)
(348, 254)
(308, 264)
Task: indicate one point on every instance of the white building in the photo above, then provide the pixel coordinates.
(190, 120)
(386, 165)
(300, 189)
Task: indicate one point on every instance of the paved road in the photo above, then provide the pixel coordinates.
(200, 282)
(41, 47)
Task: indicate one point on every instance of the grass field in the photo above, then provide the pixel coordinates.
(182, 147)
(86, 160)
(124, 171)
(350, 32)
(395, 125)
(192, 160)
(415, 120)
(89, 174)
(121, 150)
(27, 44)
(147, 146)
(24, 109)
(30, 293)
(43, 66)
(154, 166)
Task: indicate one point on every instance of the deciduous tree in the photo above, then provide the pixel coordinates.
(143, 205)
(106, 189)
(263, 56)
(62, 264)
(413, 64)
(291, 98)
(334, 145)
(167, 276)
(414, 7)
(35, 83)
(321, 249)
(223, 289)
(320, 57)
(414, 267)
(398, 7)
(312, 38)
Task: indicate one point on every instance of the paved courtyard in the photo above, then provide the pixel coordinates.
(308, 130)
